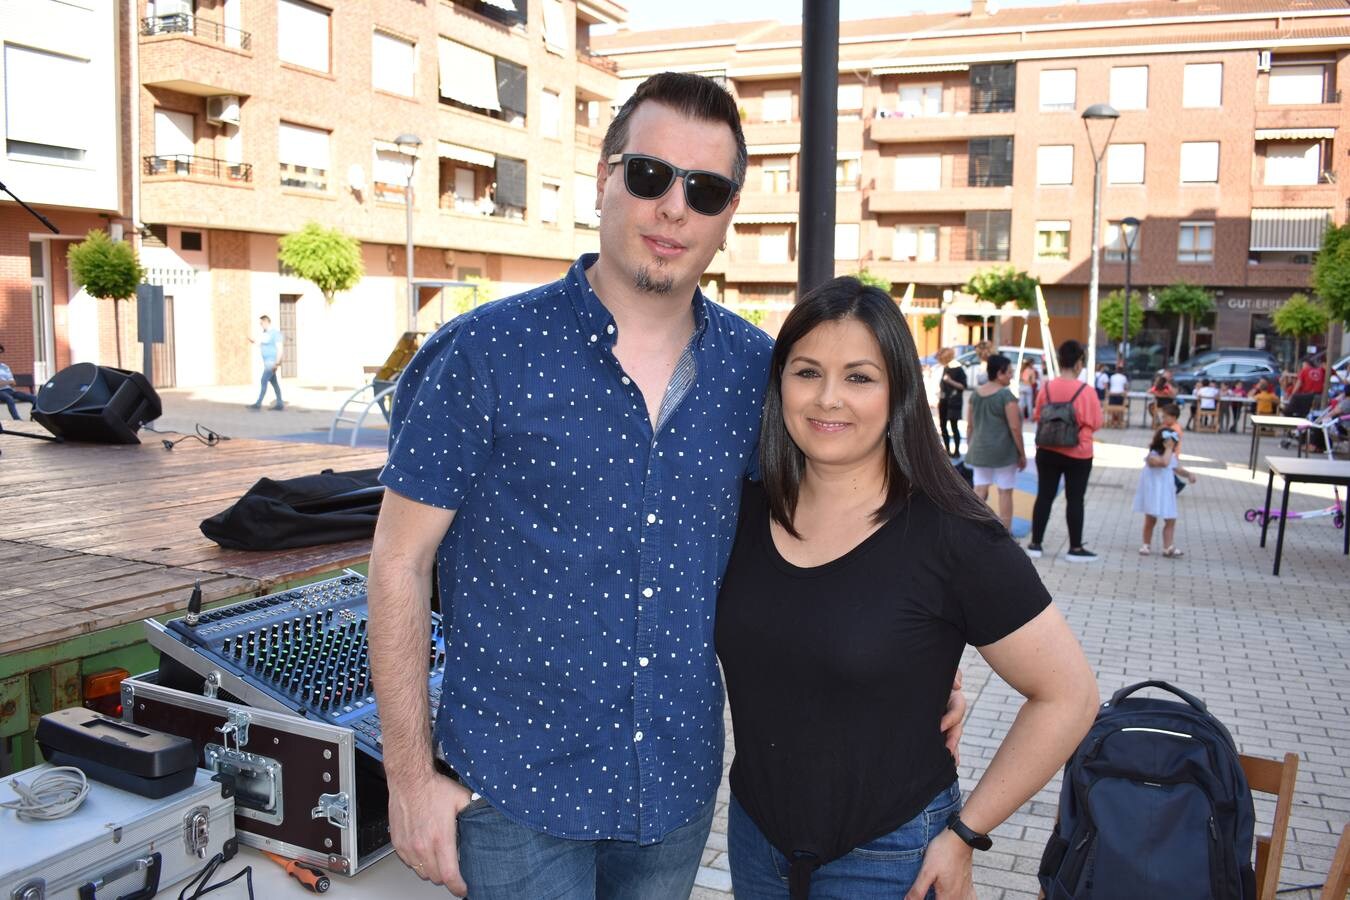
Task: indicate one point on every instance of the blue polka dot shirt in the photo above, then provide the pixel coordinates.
(578, 580)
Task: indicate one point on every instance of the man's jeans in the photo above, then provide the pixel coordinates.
(502, 860)
(269, 376)
(9, 396)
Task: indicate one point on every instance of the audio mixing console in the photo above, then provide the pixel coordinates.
(300, 651)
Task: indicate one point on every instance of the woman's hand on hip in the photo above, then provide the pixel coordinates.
(947, 869)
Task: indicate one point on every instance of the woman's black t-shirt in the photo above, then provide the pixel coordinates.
(838, 674)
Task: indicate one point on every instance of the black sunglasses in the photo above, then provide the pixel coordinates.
(648, 178)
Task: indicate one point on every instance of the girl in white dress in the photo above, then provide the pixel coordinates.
(1156, 496)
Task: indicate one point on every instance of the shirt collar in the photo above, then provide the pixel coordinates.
(597, 321)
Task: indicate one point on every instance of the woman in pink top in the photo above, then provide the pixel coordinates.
(1073, 464)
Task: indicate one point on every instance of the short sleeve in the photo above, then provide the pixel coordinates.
(441, 426)
(993, 589)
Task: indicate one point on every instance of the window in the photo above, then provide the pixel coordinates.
(987, 234)
(775, 171)
(303, 154)
(583, 201)
(1125, 164)
(1129, 87)
(548, 202)
(1114, 242)
(1200, 162)
(302, 34)
(846, 170)
(550, 114)
(915, 243)
(990, 162)
(993, 87)
(390, 173)
(1052, 240)
(1297, 84)
(509, 194)
(37, 84)
(555, 27)
(920, 100)
(778, 106)
(846, 236)
(850, 99)
(1293, 162)
(773, 243)
(482, 83)
(918, 173)
(1195, 243)
(393, 64)
(190, 240)
(1202, 85)
(1058, 89)
(174, 142)
(1054, 164)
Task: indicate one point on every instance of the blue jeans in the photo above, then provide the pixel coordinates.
(885, 867)
(12, 395)
(503, 860)
(269, 376)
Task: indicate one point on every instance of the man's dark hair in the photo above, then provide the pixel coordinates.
(1170, 409)
(264, 318)
(690, 95)
(2, 348)
(996, 364)
(1069, 353)
(915, 457)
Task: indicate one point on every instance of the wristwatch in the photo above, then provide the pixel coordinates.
(964, 832)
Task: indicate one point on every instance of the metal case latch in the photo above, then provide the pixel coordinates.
(236, 725)
(33, 889)
(197, 830)
(333, 807)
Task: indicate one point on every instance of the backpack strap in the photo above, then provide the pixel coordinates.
(1163, 685)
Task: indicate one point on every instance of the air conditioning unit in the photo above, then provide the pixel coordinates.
(223, 110)
(1263, 60)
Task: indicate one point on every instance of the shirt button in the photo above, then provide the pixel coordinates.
(651, 518)
(646, 592)
(642, 661)
(594, 338)
(609, 329)
(638, 737)
(625, 380)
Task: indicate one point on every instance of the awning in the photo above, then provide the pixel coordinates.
(447, 150)
(468, 76)
(391, 147)
(1294, 134)
(1289, 229)
(764, 219)
(773, 149)
(504, 5)
(921, 70)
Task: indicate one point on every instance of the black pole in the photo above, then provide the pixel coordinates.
(1125, 344)
(820, 141)
(37, 215)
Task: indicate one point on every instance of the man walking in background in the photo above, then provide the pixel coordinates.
(271, 346)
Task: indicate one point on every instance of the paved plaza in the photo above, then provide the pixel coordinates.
(1268, 654)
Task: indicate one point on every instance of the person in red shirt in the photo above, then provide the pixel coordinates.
(1310, 378)
(1073, 464)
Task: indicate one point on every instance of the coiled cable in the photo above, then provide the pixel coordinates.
(54, 794)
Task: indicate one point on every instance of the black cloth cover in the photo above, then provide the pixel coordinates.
(300, 512)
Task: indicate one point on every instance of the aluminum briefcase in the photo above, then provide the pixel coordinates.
(116, 845)
(301, 788)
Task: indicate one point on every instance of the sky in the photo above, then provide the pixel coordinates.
(647, 14)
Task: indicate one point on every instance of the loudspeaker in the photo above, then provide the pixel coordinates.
(96, 404)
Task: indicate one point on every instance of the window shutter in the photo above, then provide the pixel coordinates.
(510, 182)
(511, 86)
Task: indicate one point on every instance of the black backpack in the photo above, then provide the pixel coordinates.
(1154, 804)
(1057, 425)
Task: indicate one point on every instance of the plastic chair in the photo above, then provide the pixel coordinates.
(1271, 777)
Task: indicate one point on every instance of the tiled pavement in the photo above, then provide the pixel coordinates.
(1269, 655)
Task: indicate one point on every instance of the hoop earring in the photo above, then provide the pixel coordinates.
(724, 246)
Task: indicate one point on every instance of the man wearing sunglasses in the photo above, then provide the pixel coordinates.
(571, 460)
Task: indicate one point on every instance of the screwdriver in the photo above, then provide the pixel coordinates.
(313, 879)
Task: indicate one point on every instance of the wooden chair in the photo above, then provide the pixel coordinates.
(1271, 777)
(1207, 420)
(1117, 414)
(1338, 879)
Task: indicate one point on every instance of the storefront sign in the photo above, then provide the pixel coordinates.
(1254, 304)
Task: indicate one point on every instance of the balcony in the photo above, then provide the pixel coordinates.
(182, 165)
(933, 272)
(945, 200)
(191, 55)
(197, 27)
(760, 133)
(597, 75)
(1294, 117)
(752, 270)
(754, 202)
(916, 129)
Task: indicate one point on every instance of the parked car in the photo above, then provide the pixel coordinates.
(1143, 362)
(1226, 369)
(1208, 356)
(970, 361)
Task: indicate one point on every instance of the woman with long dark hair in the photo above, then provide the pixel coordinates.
(862, 566)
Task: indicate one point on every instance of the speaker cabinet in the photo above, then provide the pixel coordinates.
(96, 404)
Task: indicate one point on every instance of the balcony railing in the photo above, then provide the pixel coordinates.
(603, 63)
(182, 23)
(198, 167)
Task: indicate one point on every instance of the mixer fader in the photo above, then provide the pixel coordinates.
(303, 650)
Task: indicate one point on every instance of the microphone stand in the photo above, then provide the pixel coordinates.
(54, 230)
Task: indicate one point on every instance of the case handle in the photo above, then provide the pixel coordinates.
(151, 865)
(1189, 698)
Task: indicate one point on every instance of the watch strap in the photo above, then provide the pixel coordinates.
(966, 833)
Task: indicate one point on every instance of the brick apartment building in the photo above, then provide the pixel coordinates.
(961, 146)
(250, 118)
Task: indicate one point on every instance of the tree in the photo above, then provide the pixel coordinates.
(1000, 285)
(1331, 272)
(931, 322)
(108, 270)
(876, 281)
(1187, 302)
(464, 299)
(1111, 314)
(324, 256)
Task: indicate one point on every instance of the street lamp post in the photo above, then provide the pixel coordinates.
(1097, 112)
(409, 144)
(1129, 230)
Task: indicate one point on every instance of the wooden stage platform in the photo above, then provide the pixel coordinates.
(95, 538)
